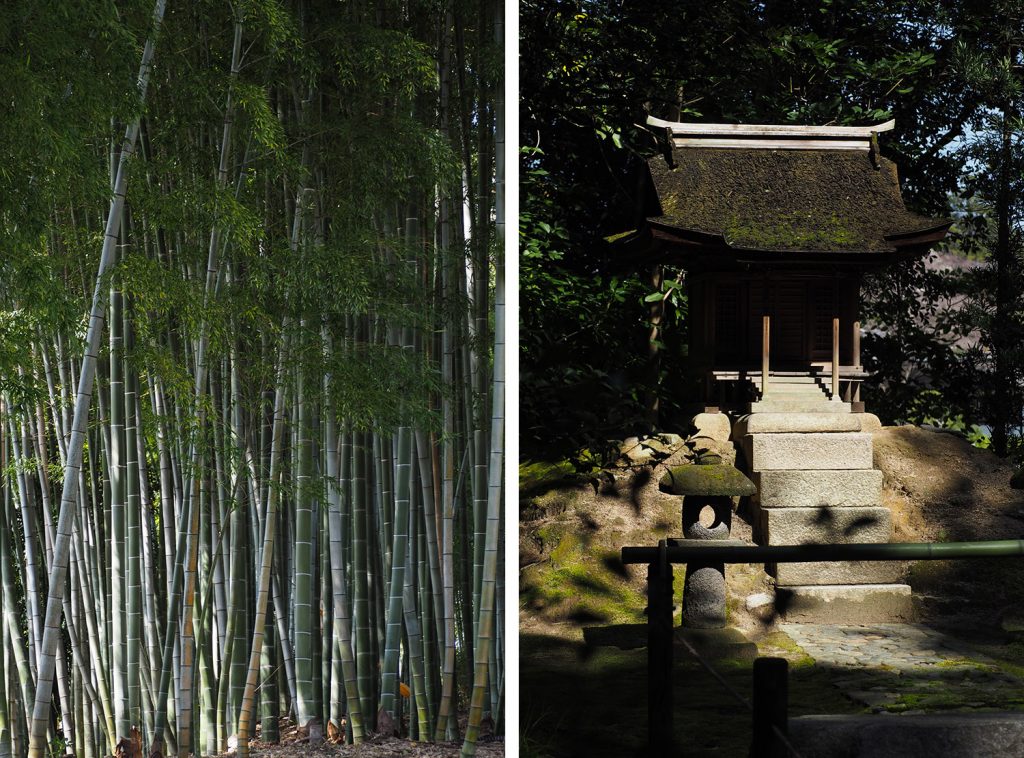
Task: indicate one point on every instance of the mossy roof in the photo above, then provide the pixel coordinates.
(785, 200)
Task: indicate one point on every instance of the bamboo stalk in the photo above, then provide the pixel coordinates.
(269, 537)
(485, 626)
(58, 571)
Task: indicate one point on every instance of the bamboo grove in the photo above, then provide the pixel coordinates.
(251, 409)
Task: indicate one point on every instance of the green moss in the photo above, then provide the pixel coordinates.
(784, 199)
(973, 699)
(613, 237)
(733, 605)
(927, 700)
(669, 203)
(1008, 658)
(535, 474)
(953, 663)
(1010, 667)
(551, 534)
(715, 480)
(797, 232)
(778, 640)
(559, 500)
(567, 549)
(542, 587)
(579, 584)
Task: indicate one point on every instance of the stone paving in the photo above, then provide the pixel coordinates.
(907, 668)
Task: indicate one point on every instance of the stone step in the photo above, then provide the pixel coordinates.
(814, 450)
(845, 604)
(837, 572)
(810, 388)
(811, 489)
(823, 405)
(838, 526)
(767, 423)
(931, 735)
(797, 391)
(791, 379)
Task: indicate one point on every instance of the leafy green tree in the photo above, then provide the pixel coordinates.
(990, 59)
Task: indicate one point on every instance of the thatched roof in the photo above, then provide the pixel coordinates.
(787, 200)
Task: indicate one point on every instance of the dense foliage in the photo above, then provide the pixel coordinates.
(950, 73)
(250, 393)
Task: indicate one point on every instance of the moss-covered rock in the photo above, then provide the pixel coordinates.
(534, 475)
(714, 480)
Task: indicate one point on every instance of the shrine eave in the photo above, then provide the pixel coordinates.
(692, 247)
(908, 243)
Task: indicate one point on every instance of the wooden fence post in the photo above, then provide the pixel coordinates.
(659, 654)
(771, 703)
(765, 346)
(835, 358)
(856, 344)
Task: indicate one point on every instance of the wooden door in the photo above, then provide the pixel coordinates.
(789, 323)
(821, 300)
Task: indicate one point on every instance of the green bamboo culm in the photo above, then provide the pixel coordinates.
(345, 688)
(400, 540)
(5, 735)
(304, 570)
(266, 565)
(61, 547)
(486, 616)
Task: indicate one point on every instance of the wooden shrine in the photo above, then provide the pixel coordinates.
(775, 226)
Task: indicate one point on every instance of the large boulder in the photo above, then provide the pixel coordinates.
(1017, 480)
(717, 426)
(644, 451)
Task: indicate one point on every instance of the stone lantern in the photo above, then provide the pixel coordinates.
(707, 484)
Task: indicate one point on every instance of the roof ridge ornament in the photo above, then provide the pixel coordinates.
(771, 136)
(874, 152)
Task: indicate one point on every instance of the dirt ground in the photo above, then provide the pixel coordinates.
(294, 745)
(381, 747)
(941, 489)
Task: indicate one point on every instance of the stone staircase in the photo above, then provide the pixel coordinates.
(811, 459)
(797, 394)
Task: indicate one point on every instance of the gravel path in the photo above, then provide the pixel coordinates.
(907, 668)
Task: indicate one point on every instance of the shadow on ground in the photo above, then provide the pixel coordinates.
(587, 700)
(589, 697)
